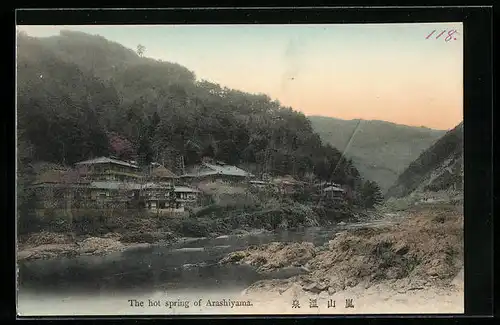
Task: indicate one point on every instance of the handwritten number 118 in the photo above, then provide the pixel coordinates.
(448, 38)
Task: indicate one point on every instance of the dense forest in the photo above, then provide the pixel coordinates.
(80, 96)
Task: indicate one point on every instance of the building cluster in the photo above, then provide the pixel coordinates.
(110, 183)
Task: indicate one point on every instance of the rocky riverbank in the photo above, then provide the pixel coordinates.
(423, 250)
(47, 245)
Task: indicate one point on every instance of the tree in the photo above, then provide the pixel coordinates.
(144, 151)
(141, 49)
(24, 193)
(172, 198)
(121, 147)
(370, 195)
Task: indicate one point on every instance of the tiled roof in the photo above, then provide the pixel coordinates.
(227, 170)
(105, 160)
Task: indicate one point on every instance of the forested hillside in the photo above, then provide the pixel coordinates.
(81, 95)
(380, 150)
(440, 168)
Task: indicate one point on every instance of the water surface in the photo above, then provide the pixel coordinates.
(187, 266)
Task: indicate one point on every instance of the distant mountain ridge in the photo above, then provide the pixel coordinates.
(380, 150)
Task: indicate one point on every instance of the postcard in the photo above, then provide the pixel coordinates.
(239, 169)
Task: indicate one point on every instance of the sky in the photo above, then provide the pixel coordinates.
(387, 72)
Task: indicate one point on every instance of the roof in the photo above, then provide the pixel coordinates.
(286, 180)
(106, 160)
(219, 169)
(114, 185)
(161, 186)
(153, 185)
(228, 170)
(50, 176)
(57, 176)
(162, 172)
(333, 189)
(177, 188)
(327, 184)
(186, 189)
(42, 166)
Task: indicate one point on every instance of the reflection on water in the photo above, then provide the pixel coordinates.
(184, 266)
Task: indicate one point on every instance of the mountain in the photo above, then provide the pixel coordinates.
(81, 95)
(380, 150)
(437, 169)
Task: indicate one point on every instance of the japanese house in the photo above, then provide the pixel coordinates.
(262, 185)
(333, 192)
(107, 183)
(158, 196)
(287, 185)
(162, 175)
(216, 171)
(169, 198)
(58, 188)
(186, 197)
(112, 193)
(108, 169)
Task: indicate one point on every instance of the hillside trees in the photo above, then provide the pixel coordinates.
(72, 107)
(141, 49)
(370, 194)
(448, 148)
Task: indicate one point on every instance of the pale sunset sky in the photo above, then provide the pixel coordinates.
(385, 72)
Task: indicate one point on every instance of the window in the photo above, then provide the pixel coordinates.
(77, 195)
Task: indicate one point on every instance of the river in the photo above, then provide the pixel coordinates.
(187, 268)
(185, 279)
